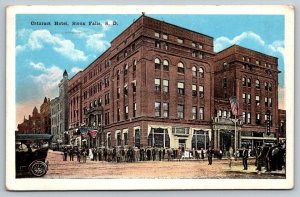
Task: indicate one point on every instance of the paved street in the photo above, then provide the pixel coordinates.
(151, 169)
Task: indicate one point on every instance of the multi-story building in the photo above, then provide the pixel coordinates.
(253, 78)
(59, 112)
(162, 85)
(153, 86)
(37, 123)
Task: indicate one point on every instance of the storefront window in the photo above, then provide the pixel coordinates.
(159, 137)
(200, 139)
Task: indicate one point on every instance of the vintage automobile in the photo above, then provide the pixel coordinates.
(31, 153)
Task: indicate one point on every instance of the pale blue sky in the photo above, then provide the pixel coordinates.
(43, 52)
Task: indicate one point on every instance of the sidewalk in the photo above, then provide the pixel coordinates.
(236, 168)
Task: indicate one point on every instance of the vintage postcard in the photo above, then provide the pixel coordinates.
(150, 97)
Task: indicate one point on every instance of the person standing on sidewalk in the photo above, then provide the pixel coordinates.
(245, 158)
(209, 155)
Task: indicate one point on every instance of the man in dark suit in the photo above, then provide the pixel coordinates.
(245, 158)
(209, 155)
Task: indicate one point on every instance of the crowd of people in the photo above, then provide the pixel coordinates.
(272, 158)
(132, 154)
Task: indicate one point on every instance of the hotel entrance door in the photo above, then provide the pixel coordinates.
(182, 143)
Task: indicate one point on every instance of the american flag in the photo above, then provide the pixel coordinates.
(93, 133)
(234, 105)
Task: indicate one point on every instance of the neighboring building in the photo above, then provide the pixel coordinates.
(37, 122)
(253, 78)
(282, 124)
(162, 85)
(59, 112)
(55, 126)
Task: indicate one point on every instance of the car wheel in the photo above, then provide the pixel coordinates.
(38, 168)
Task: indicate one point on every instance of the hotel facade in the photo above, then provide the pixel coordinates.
(162, 85)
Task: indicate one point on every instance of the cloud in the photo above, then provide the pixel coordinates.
(95, 41)
(38, 66)
(75, 70)
(47, 80)
(39, 38)
(20, 48)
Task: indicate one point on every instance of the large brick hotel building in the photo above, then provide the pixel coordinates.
(162, 85)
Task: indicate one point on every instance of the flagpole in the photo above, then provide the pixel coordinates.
(235, 138)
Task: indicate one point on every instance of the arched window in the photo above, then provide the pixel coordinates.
(249, 82)
(157, 63)
(257, 84)
(201, 72)
(270, 86)
(134, 65)
(166, 65)
(180, 67)
(194, 70)
(244, 81)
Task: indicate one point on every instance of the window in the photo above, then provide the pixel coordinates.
(193, 44)
(219, 113)
(166, 46)
(244, 98)
(194, 90)
(201, 91)
(194, 71)
(166, 85)
(125, 89)
(134, 86)
(118, 74)
(225, 82)
(180, 111)
(193, 53)
(134, 65)
(201, 72)
(166, 65)
(165, 110)
(118, 114)
(266, 86)
(249, 98)
(157, 44)
(244, 117)
(194, 113)
(257, 100)
(118, 92)
(125, 138)
(200, 46)
(249, 118)
(157, 109)
(180, 88)
(249, 82)
(201, 113)
(266, 101)
(157, 63)
(270, 87)
(100, 101)
(180, 67)
(125, 53)
(109, 140)
(133, 46)
(157, 85)
(125, 69)
(134, 109)
(165, 36)
(180, 40)
(257, 84)
(201, 55)
(106, 99)
(106, 82)
(137, 138)
(106, 118)
(257, 119)
(224, 113)
(244, 81)
(156, 34)
(270, 101)
(126, 112)
(118, 138)
(257, 62)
